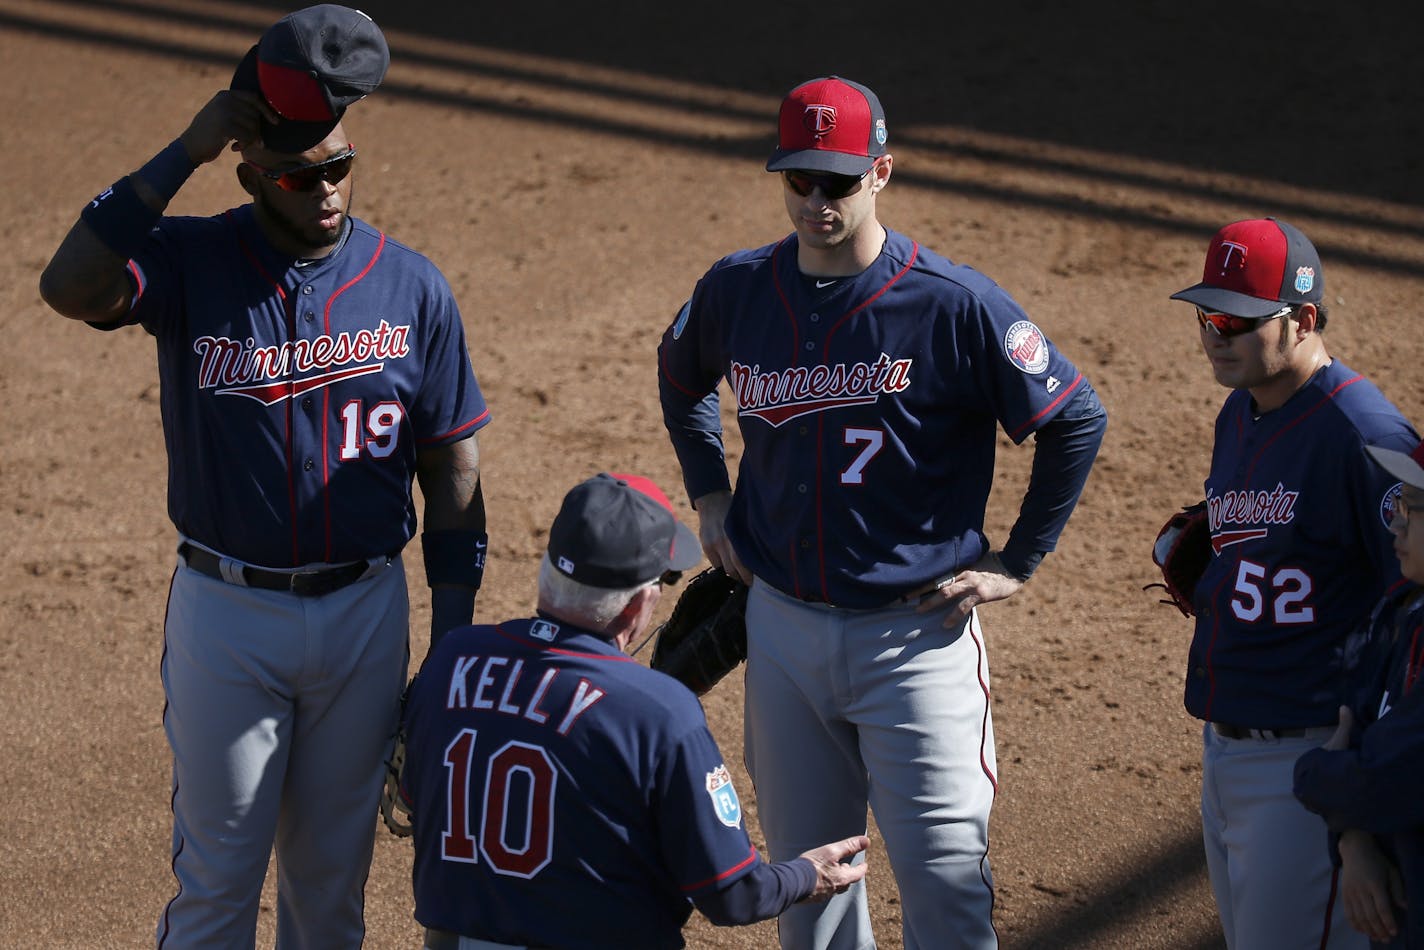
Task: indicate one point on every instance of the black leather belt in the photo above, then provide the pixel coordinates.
(1242, 732)
(302, 583)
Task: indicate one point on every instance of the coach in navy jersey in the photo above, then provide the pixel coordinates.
(1301, 552)
(870, 377)
(562, 794)
(311, 368)
(1367, 779)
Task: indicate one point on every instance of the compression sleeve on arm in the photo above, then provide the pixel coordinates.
(1064, 451)
(695, 427)
(765, 892)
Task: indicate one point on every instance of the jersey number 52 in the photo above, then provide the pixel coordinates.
(515, 818)
(1286, 595)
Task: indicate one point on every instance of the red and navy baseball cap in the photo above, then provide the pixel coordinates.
(309, 66)
(619, 531)
(1254, 267)
(829, 125)
(1409, 469)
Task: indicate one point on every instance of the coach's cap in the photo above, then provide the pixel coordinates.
(619, 531)
(309, 66)
(829, 125)
(1253, 267)
(1409, 469)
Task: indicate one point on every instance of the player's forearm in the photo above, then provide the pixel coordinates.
(86, 279)
(694, 427)
(1064, 452)
(765, 892)
(454, 540)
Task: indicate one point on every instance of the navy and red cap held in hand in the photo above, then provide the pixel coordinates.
(1254, 267)
(309, 66)
(619, 531)
(829, 125)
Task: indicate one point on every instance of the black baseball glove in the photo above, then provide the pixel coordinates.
(705, 638)
(1182, 552)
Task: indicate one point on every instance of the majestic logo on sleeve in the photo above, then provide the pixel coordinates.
(1237, 516)
(778, 396)
(270, 374)
(1026, 348)
(724, 797)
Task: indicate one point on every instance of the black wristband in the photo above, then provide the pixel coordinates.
(454, 557)
(120, 218)
(166, 172)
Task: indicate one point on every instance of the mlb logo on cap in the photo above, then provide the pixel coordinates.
(829, 125)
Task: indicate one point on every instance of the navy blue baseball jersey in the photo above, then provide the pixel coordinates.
(295, 394)
(852, 393)
(1376, 784)
(563, 795)
(1299, 519)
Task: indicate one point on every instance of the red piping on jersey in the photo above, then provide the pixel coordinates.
(526, 641)
(751, 859)
(326, 396)
(138, 281)
(786, 304)
(667, 374)
(971, 627)
(445, 435)
(1411, 668)
(1216, 620)
(1047, 409)
(821, 417)
(1330, 908)
(1330, 396)
(183, 841)
(291, 315)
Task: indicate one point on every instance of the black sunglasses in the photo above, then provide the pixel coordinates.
(1229, 325)
(834, 187)
(669, 578)
(305, 177)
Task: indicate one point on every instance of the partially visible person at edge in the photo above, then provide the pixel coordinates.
(311, 367)
(1301, 553)
(870, 375)
(1366, 781)
(563, 795)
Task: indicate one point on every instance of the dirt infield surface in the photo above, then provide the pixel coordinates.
(573, 168)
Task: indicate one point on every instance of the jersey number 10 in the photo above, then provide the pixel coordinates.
(519, 780)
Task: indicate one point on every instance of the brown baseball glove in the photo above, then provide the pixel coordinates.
(1182, 552)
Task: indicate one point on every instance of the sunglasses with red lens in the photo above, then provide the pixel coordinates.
(1229, 325)
(305, 177)
(834, 187)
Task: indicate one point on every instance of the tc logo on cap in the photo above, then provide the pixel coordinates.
(819, 119)
(1233, 256)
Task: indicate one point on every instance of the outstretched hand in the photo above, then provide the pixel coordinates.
(987, 581)
(833, 876)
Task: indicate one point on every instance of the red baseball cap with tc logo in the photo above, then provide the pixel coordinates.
(1253, 267)
(829, 125)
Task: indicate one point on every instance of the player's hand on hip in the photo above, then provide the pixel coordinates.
(1369, 885)
(833, 875)
(712, 511)
(984, 583)
(231, 116)
(1341, 739)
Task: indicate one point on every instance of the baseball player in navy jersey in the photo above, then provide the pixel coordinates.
(563, 795)
(1301, 551)
(310, 368)
(869, 375)
(1366, 781)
